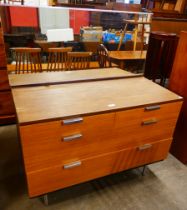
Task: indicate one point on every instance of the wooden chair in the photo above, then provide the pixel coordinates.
(160, 56)
(103, 57)
(57, 58)
(79, 60)
(28, 60)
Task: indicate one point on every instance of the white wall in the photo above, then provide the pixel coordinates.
(53, 18)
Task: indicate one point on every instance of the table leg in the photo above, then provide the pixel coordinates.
(122, 64)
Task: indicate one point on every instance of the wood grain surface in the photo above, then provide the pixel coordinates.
(45, 103)
(7, 110)
(127, 55)
(56, 177)
(4, 84)
(46, 78)
(44, 143)
(178, 84)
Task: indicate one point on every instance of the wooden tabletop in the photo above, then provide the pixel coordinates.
(45, 103)
(127, 55)
(49, 78)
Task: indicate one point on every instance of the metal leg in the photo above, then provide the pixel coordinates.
(143, 171)
(45, 199)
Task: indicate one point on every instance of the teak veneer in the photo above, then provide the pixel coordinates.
(73, 133)
(7, 111)
(63, 77)
(178, 84)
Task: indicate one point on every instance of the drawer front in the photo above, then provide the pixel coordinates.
(4, 84)
(46, 144)
(144, 154)
(137, 126)
(6, 103)
(70, 173)
(78, 171)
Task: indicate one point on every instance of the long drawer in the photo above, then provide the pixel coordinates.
(80, 170)
(47, 144)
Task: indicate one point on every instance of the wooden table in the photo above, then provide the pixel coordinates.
(49, 78)
(122, 56)
(72, 133)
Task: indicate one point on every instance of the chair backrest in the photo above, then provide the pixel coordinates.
(160, 56)
(79, 60)
(103, 57)
(57, 59)
(28, 60)
(14, 1)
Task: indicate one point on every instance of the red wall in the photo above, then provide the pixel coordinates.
(79, 19)
(22, 16)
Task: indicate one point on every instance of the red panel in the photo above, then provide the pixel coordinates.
(22, 16)
(79, 19)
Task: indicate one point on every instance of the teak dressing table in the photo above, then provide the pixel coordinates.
(72, 133)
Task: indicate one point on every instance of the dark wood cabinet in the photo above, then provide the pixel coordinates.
(178, 84)
(7, 110)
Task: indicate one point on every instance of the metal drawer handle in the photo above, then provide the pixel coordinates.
(150, 108)
(72, 121)
(149, 122)
(72, 137)
(72, 165)
(144, 147)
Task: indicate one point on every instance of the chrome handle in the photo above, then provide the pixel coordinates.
(72, 137)
(72, 121)
(150, 122)
(150, 108)
(72, 165)
(144, 147)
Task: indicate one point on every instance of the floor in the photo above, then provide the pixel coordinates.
(163, 187)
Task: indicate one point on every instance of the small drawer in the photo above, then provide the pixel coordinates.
(141, 125)
(77, 171)
(143, 154)
(6, 103)
(52, 142)
(4, 84)
(91, 125)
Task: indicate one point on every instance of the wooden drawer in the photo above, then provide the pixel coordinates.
(144, 154)
(43, 143)
(4, 84)
(137, 126)
(6, 103)
(77, 171)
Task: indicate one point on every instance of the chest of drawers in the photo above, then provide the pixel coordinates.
(77, 132)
